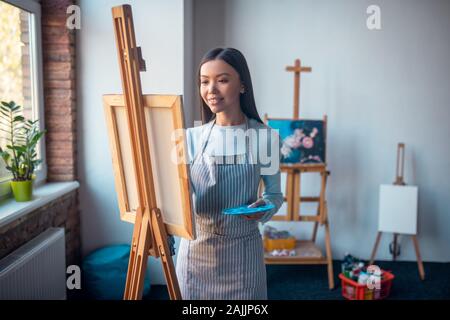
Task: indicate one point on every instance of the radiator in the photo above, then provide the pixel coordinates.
(36, 270)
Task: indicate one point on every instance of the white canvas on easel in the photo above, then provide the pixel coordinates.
(398, 209)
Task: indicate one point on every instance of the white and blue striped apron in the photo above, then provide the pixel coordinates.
(226, 260)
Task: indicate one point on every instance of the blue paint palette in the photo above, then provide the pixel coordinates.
(246, 210)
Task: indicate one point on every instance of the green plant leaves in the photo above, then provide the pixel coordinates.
(22, 137)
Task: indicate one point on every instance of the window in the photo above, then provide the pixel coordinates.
(21, 69)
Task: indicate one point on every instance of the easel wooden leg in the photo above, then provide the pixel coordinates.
(329, 257)
(138, 257)
(164, 254)
(375, 248)
(316, 225)
(322, 206)
(394, 251)
(289, 194)
(296, 197)
(419, 259)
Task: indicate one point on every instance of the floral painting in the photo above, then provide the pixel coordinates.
(303, 141)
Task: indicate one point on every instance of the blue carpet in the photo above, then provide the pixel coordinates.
(310, 282)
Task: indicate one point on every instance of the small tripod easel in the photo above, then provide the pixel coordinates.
(399, 181)
(307, 251)
(149, 234)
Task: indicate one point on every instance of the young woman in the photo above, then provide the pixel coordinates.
(226, 260)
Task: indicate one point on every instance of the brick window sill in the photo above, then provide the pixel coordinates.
(11, 210)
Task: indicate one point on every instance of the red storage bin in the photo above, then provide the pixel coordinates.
(352, 290)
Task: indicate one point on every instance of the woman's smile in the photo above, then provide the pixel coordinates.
(214, 100)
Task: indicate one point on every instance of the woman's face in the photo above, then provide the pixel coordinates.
(220, 86)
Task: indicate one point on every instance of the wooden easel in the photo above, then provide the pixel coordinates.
(149, 233)
(307, 251)
(399, 181)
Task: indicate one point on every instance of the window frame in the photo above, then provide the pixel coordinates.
(37, 86)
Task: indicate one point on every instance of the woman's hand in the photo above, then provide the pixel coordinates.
(257, 203)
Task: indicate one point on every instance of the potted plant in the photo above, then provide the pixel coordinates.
(22, 136)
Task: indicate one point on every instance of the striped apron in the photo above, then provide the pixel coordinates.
(226, 260)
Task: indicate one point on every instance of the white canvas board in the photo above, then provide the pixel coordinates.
(398, 209)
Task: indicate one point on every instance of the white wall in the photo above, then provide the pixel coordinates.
(378, 88)
(159, 28)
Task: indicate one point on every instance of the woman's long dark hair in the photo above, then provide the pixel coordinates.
(237, 60)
